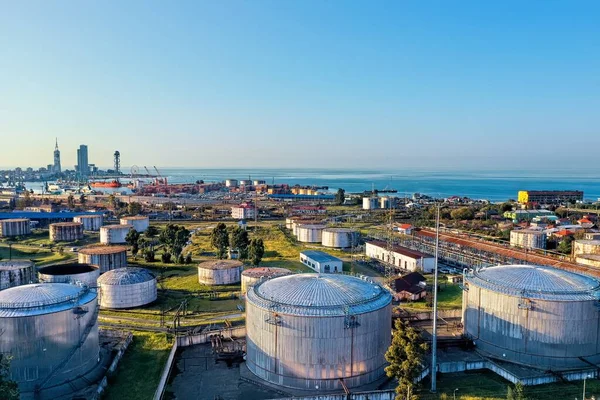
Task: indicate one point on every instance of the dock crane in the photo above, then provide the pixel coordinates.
(163, 179)
(147, 172)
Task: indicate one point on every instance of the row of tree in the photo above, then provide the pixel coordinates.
(236, 238)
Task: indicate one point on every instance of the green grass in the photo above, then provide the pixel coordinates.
(140, 369)
(449, 297)
(40, 256)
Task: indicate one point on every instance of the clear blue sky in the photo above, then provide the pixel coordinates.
(494, 84)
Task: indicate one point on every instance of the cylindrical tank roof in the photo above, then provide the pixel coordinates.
(15, 220)
(135, 217)
(37, 299)
(220, 264)
(101, 249)
(67, 269)
(534, 281)
(340, 230)
(59, 224)
(125, 276)
(260, 272)
(89, 216)
(116, 226)
(319, 295)
(311, 226)
(589, 242)
(14, 264)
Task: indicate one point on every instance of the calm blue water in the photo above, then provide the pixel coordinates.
(492, 185)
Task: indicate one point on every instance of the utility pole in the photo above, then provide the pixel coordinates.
(433, 368)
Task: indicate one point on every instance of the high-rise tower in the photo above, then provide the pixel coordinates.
(56, 167)
(83, 168)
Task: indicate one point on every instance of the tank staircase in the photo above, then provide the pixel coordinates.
(591, 364)
(79, 312)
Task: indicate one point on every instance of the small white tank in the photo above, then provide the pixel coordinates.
(126, 288)
(90, 222)
(16, 273)
(105, 257)
(114, 234)
(339, 238)
(370, 203)
(139, 222)
(220, 272)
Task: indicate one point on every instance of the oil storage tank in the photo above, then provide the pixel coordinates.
(105, 257)
(66, 231)
(220, 272)
(126, 288)
(339, 237)
(370, 203)
(541, 317)
(14, 227)
(251, 276)
(114, 234)
(51, 332)
(586, 247)
(90, 222)
(70, 273)
(310, 233)
(139, 222)
(309, 331)
(16, 272)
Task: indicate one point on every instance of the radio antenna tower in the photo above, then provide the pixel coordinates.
(117, 166)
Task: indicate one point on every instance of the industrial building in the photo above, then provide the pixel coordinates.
(370, 203)
(401, 257)
(231, 183)
(528, 215)
(17, 272)
(252, 276)
(126, 288)
(317, 332)
(312, 233)
(321, 262)
(139, 222)
(528, 239)
(341, 238)
(549, 196)
(220, 272)
(106, 258)
(243, 211)
(66, 231)
(70, 273)
(539, 317)
(51, 331)
(114, 234)
(90, 222)
(15, 227)
(410, 287)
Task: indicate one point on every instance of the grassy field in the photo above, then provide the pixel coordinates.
(139, 371)
(40, 256)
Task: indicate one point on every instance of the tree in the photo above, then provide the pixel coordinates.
(174, 238)
(462, 213)
(9, 389)
(256, 250)
(239, 240)
(516, 392)
(71, 201)
(132, 237)
(188, 258)
(219, 239)
(340, 197)
(149, 255)
(506, 207)
(151, 231)
(134, 208)
(565, 245)
(180, 259)
(405, 356)
(165, 257)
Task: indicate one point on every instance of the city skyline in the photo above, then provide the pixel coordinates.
(302, 84)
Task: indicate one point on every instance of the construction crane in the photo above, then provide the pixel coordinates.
(148, 172)
(163, 179)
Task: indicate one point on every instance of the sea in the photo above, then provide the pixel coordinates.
(493, 185)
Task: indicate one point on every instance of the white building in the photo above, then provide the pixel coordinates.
(528, 239)
(321, 262)
(243, 211)
(401, 257)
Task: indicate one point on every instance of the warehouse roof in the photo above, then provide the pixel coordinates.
(534, 281)
(220, 264)
(319, 295)
(125, 276)
(38, 299)
(319, 256)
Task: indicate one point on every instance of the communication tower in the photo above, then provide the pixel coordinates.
(117, 166)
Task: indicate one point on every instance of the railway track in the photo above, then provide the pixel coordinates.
(528, 257)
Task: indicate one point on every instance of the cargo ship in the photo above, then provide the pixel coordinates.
(104, 184)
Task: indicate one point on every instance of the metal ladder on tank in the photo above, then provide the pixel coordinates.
(77, 311)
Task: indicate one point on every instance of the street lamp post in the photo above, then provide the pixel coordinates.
(584, 379)
(454, 394)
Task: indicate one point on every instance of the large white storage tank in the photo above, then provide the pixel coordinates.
(16, 272)
(139, 222)
(15, 227)
(126, 288)
(114, 234)
(310, 331)
(66, 231)
(70, 273)
(90, 222)
(370, 203)
(105, 257)
(51, 332)
(310, 233)
(586, 247)
(340, 237)
(540, 317)
(252, 276)
(220, 272)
